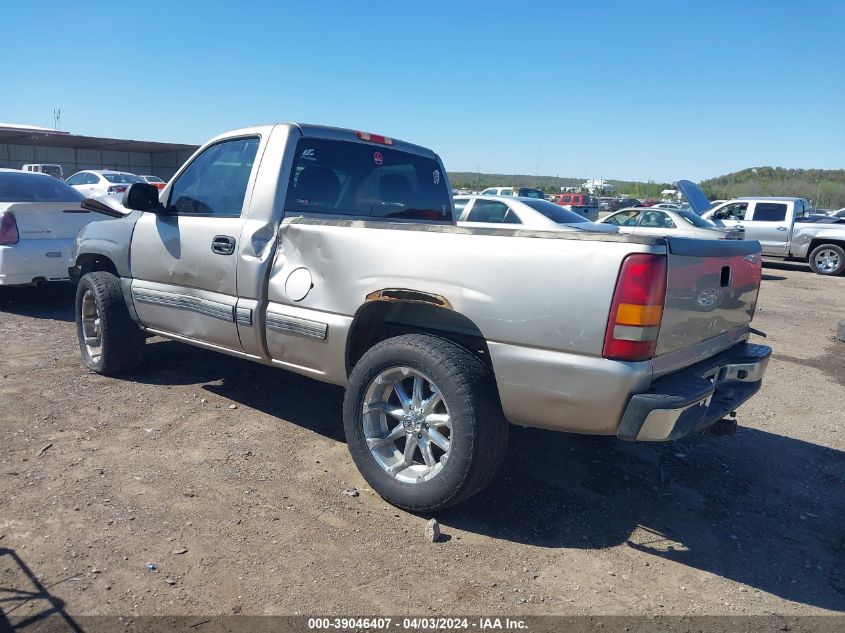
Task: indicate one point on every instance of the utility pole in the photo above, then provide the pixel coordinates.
(57, 118)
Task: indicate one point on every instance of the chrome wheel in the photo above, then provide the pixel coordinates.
(91, 326)
(407, 425)
(827, 260)
(709, 297)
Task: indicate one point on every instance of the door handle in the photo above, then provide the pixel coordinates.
(781, 228)
(223, 245)
(739, 226)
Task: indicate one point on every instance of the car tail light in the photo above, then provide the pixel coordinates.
(117, 189)
(637, 308)
(374, 138)
(8, 229)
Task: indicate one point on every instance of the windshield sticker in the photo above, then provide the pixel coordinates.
(309, 154)
(302, 202)
(436, 176)
(378, 159)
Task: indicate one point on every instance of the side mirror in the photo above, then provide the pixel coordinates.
(142, 196)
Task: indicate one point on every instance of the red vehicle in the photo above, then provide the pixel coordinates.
(155, 181)
(580, 203)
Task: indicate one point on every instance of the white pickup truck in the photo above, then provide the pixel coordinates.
(783, 229)
(335, 254)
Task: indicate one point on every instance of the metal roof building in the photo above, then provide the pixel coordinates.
(20, 145)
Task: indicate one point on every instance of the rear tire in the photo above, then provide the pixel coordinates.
(439, 442)
(828, 259)
(110, 342)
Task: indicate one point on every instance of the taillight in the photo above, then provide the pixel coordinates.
(8, 229)
(117, 189)
(637, 308)
(374, 138)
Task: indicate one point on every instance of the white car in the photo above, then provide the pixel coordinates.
(95, 183)
(677, 222)
(520, 213)
(39, 218)
(497, 191)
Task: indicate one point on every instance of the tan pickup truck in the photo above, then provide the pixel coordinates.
(334, 254)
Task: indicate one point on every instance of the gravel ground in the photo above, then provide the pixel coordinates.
(228, 477)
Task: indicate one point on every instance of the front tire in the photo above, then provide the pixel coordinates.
(110, 342)
(423, 422)
(828, 259)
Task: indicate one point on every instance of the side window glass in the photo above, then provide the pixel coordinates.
(733, 211)
(769, 212)
(657, 219)
(626, 218)
(89, 179)
(75, 179)
(566, 199)
(488, 211)
(215, 182)
(460, 205)
(510, 218)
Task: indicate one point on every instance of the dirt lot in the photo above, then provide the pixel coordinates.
(228, 477)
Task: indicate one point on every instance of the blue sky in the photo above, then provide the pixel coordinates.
(628, 90)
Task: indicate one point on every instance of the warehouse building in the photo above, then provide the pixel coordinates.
(20, 145)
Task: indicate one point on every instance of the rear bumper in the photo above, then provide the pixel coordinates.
(29, 260)
(695, 398)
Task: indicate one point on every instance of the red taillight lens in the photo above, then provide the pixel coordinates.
(8, 229)
(374, 138)
(117, 189)
(637, 308)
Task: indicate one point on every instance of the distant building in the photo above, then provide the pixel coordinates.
(670, 194)
(594, 185)
(21, 144)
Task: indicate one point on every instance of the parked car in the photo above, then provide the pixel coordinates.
(497, 191)
(155, 181)
(336, 256)
(666, 205)
(580, 203)
(784, 231)
(520, 213)
(839, 214)
(39, 218)
(624, 203)
(50, 169)
(528, 192)
(679, 222)
(94, 183)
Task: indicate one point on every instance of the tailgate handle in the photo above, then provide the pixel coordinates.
(725, 279)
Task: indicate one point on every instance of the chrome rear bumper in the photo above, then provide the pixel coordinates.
(695, 398)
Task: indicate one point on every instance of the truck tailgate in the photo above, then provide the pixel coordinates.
(711, 289)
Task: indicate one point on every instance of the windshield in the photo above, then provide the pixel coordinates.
(554, 212)
(696, 220)
(122, 179)
(349, 178)
(26, 187)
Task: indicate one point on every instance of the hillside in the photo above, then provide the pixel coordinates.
(824, 187)
(549, 184)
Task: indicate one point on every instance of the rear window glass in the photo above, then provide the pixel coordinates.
(347, 178)
(26, 187)
(696, 220)
(531, 193)
(123, 179)
(769, 212)
(554, 212)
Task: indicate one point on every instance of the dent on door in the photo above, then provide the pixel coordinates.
(182, 284)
